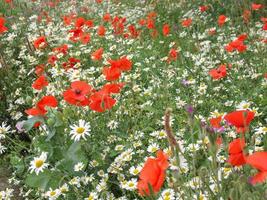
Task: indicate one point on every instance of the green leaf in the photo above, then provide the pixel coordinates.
(73, 155)
(44, 181)
(27, 126)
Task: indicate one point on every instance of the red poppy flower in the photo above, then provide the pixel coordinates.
(89, 23)
(2, 25)
(150, 23)
(187, 22)
(61, 49)
(237, 44)
(166, 29)
(258, 160)
(133, 31)
(255, 6)
(85, 38)
(218, 73)
(80, 21)
(203, 8)
(112, 73)
(240, 119)
(236, 154)
(153, 174)
(40, 83)
(173, 54)
(78, 93)
(101, 31)
(39, 110)
(246, 15)
(216, 122)
(76, 34)
(101, 101)
(112, 88)
(97, 55)
(67, 20)
(39, 69)
(221, 20)
(106, 17)
(40, 42)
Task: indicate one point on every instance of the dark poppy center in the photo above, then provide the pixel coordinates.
(77, 91)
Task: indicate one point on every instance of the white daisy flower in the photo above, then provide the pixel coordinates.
(38, 163)
(4, 128)
(2, 149)
(78, 167)
(92, 196)
(135, 170)
(52, 194)
(131, 184)
(80, 130)
(167, 194)
(153, 148)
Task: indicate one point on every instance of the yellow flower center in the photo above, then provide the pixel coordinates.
(90, 197)
(135, 171)
(265, 129)
(167, 197)
(39, 163)
(131, 184)
(52, 193)
(80, 130)
(161, 134)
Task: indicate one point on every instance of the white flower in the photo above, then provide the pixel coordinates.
(92, 196)
(131, 184)
(153, 148)
(167, 194)
(135, 170)
(52, 194)
(261, 130)
(80, 130)
(243, 105)
(2, 149)
(38, 164)
(4, 128)
(78, 167)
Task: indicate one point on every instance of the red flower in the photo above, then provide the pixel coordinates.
(85, 38)
(2, 25)
(215, 122)
(237, 44)
(101, 31)
(236, 154)
(221, 20)
(97, 55)
(166, 29)
(39, 69)
(40, 110)
(246, 15)
(153, 174)
(78, 93)
(80, 21)
(203, 8)
(258, 160)
(101, 101)
(112, 88)
(40, 42)
(61, 49)
(112, 73)
(173, 54)
(187, 22)
(218, 73)
(40, 83)
(255, 6)
(240, 119)
(106, 17)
